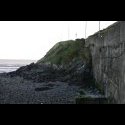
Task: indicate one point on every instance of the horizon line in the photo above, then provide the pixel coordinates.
(18, 59)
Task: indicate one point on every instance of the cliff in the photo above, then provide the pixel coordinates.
(68, 61)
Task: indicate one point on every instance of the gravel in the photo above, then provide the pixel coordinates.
(16, 90)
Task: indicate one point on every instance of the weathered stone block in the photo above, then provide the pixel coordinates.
(91, 100)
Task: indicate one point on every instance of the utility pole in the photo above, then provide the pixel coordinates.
(68, 31)
(99, 29)
(85, 28)
(76, 35)
(99, 25)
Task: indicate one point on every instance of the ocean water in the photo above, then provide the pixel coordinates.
(7, 65)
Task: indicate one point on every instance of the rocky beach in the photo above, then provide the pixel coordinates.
(57, 78)
(20, 91)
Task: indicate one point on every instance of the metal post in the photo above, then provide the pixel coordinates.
(99, 25)
(68, 31)
(99, 29)
(76, 35)
(85, 28)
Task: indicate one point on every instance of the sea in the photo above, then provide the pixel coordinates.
(9, 65)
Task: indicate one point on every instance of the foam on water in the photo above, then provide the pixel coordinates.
(12, 65)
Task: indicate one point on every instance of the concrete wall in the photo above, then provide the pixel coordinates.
(108, 60)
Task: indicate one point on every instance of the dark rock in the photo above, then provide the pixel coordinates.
(75, 73)
(42, 89)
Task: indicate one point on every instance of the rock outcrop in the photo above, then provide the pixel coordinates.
(68, 61)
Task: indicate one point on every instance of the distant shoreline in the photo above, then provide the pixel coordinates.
(7, 61)
(9, 65)
(21, 59)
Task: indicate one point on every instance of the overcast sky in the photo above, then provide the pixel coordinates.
(32, 39)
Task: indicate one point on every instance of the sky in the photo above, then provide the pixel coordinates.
(33, 39)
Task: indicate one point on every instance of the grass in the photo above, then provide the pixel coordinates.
(65, 52)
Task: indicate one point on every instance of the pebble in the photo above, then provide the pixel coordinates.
(19, 91)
